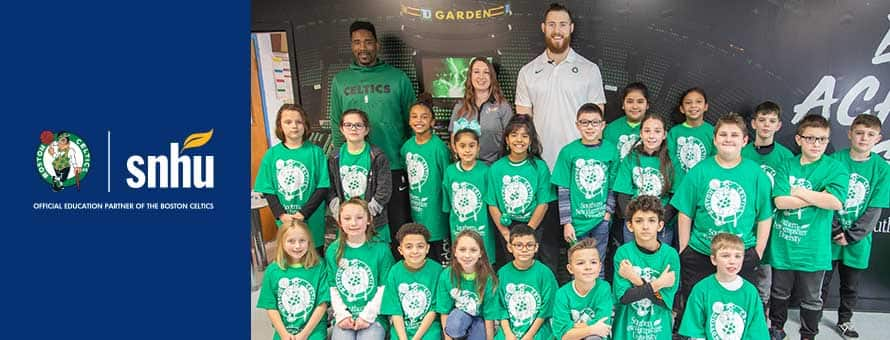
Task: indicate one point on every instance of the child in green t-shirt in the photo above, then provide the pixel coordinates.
(582, 308)
(295, 290)
(647, 170)
(764, 150)
(526, 290)
(463, 186)
(466, 296)
(693, 140)
(583, 176)
(426, 157)
(624, 132)
(293, 175)
(411, 288)
(808, 189)
(358, 263)
(867, 196)
(724, 305)
(645, 279)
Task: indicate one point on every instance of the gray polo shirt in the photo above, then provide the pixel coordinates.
(555, 92)
(489, 125)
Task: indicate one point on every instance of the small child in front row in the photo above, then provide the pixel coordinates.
(809, 188)
(526, 290)
(411, 288)
(724, 305)
(852, 226)
(645, 280)
(464, 186)
(582, 308)
(295, 290)
(358, 263)
(466, 296)
(583, 175)
(426, 157)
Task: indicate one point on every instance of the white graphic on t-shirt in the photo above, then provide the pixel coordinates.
(770, 172)
(466, 200)
(727, 321)
(355, 180)
(590, 174)
(582, 316)
(523, 302)
(418, 170)
(690, 151)
(798, 183)
(856, 193)
(354, 279)
(644, 307)
(648, 181)
(725, 201)
(465, 300)
(626, 142)
(293, 178)
(296, 297)
(517, 193)
(415, 299)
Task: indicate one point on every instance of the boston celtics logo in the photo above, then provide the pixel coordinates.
(517, 193)
(415, 299)
(644, 307)
(648, 181)
(590, 174)
(418, 170)
(770, 172)
(523, 302)
(63, 159)
(466, 200)
(582, 316)
(857, 192)
(293, 178)
(798, 183)
(690, 151)
(465, 300)
(725, 201)
(354, 279)
(626, 142)
(296, 299)
(727, 321)
(355, 180)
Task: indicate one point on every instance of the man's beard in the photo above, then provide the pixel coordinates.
(566, 41)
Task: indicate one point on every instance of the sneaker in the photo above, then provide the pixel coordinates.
(777, 334)
(847, 331)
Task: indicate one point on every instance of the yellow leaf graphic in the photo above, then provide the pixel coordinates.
(196, 140)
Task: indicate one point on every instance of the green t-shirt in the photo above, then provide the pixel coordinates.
(867, 188)
(517, 188)
(295, 292)
(411, 294)
(354, 169)
(526, 295)
(293, 175)
(463, 296)
(720, 200)
(714, 312)
(359, 273)
(638, 174)
(588, 173)
(688, 146)
(801, 238)
(570, 308)
(425, 164)
(622, 134)
(644, 319)
(768, 162)
(463, 191)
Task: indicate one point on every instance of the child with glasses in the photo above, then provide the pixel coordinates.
(526, 289)
(583, 176)
(808, 189)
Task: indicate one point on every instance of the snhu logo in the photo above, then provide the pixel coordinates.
(163, 171)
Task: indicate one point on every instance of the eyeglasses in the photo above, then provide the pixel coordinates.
(814, 139)
(527, 246)
(351, 126)
(586, 123)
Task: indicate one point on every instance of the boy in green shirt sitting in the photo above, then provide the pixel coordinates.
(583, 307)
(724, 305)
(526, 289)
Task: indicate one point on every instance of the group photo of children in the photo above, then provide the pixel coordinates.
(539, 219)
